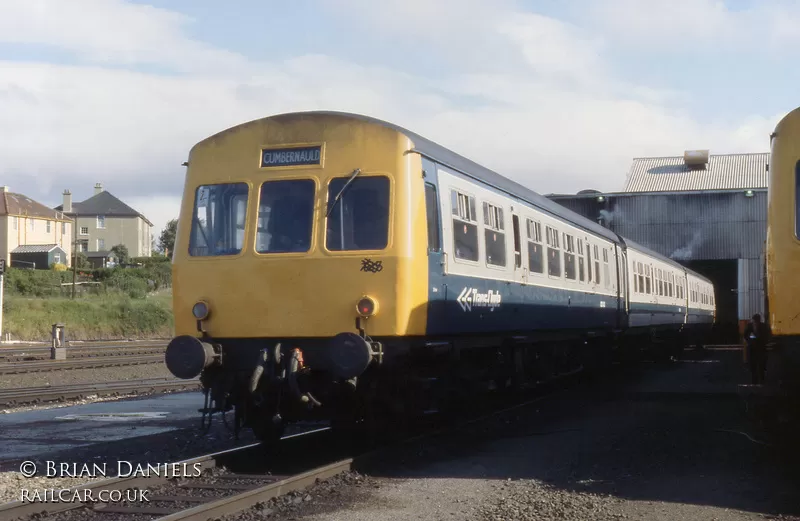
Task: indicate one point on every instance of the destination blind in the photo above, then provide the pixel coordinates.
(294, 156)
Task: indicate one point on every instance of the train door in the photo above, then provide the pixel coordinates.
(437, 290)
(520, 268)
(623, 288)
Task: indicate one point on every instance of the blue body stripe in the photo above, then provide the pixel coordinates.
(525, 307)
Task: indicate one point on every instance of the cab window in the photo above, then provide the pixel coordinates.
(218, 220)
(360, 219)
(285, 216)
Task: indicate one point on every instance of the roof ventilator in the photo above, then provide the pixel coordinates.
(696, 159)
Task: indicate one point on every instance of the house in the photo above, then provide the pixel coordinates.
(25, 222)
(103, 221)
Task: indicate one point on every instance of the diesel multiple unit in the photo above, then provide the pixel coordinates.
(331, 265)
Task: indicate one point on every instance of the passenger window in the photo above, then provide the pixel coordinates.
(606, 268)
(535, 253)
(219, 219)
(596, 266)
(569, 256)
(635, 279)
(360, 219)
(581, 261)
(432, 210)
(647, 280)
(589, 262)
(285, 216)
(465, 226)
(641, 277)
(553, 252)
(494, 235)
(517, 245)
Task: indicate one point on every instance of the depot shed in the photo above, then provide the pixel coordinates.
(37, 256)
(708, 212)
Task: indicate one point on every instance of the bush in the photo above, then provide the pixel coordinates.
(35, 283)
(134, 282)
(149, 262)
(82, 261)
(57, 266)
(128, 282)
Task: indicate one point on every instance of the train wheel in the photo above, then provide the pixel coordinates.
(269, 431)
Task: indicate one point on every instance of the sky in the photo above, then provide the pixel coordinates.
(559, 95)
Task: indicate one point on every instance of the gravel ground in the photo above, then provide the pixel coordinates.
(77, 401)
(76, 376)
(630, 450)
(187, 442)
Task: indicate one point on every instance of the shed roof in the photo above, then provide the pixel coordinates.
(36, 248)
(98, 254)
(723, 172)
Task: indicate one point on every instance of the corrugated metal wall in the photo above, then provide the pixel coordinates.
(691, 226)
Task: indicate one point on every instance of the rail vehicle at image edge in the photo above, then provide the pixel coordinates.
(783, 248)
(334, 266)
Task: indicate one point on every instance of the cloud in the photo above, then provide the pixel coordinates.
(158, 209)
(528, 95)
(113, 32)
(698, 26)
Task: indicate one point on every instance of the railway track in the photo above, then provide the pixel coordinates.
(31, 395)
(79, 363)
(43, 352)
(231, 481)
(217, 491)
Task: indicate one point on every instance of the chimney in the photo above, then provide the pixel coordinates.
(67, 206)
(98, 188)
(3, 189)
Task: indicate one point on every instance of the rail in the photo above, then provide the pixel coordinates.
(31, 395)
(79, 363)
(43, 353)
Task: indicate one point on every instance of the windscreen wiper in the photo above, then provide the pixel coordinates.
(341, 192)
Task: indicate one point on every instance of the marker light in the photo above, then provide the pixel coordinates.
(367, 307)
(200, 310)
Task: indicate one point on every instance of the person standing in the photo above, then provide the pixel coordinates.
(755, 336)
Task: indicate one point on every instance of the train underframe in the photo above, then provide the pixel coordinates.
(270, 383)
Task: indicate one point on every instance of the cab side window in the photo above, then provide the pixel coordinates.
(432, 210)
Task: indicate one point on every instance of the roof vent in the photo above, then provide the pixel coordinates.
(695, 158)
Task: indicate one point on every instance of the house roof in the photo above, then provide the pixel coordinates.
(36, 248)
(103, 204)
(723, 172)
(18, 204)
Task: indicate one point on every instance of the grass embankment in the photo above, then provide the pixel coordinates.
(110, 303)
(90, 317)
